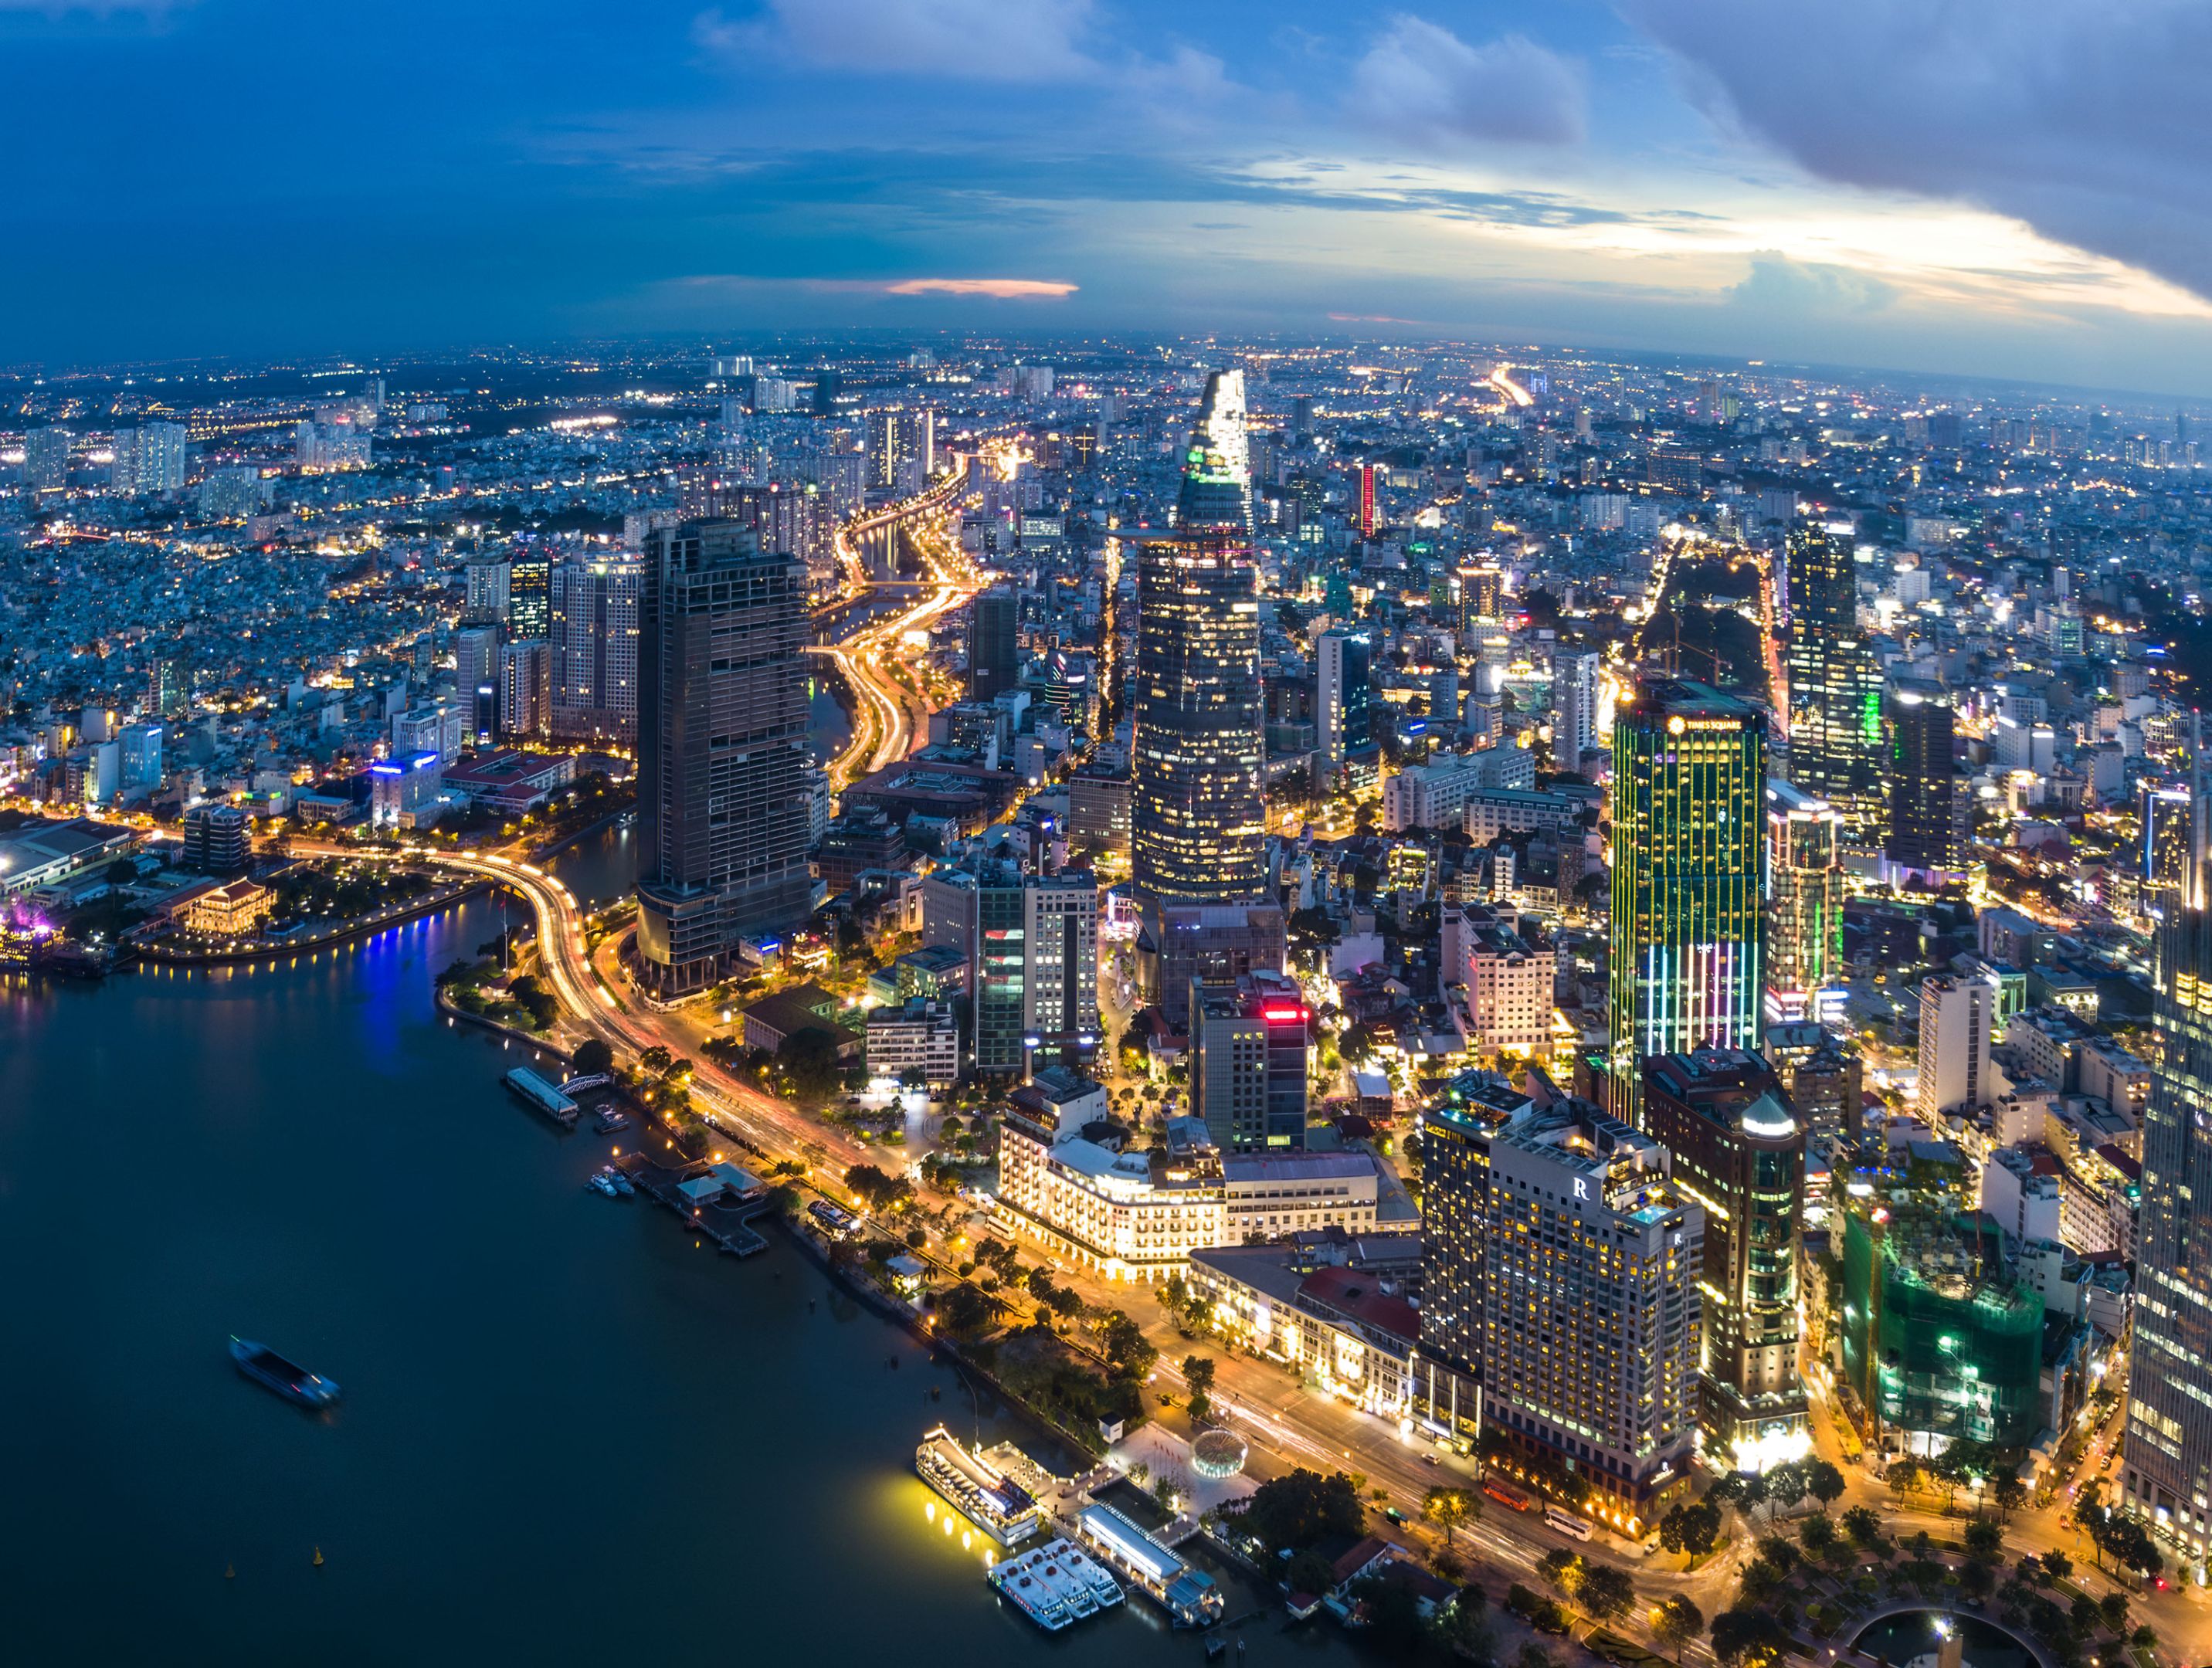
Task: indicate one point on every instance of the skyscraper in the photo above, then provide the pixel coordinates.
(2167, 1477)
(1198, 826)
(1804, 901)
(1835, 689)
(1574, 707)
(595, 638)
(530, 593)
(525, 673)
(994, 656)
(1926, 826)
(1345, 703)
(476, 676)
(1248, 1067)
(1738, 1147)
(1369, 514)
(1688, 963)
(722, 751)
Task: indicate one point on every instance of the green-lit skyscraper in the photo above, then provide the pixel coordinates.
(1835, 688)
(1689, 829)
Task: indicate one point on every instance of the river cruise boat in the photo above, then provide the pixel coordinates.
(976, 1489)
(294, 1382)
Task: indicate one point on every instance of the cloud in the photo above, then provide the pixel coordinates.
(1777, 283)
(1005, 289)
(1422, 84)
(2087, 122)
(1002, 40)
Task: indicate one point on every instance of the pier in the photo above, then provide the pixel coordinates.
(726, 1222)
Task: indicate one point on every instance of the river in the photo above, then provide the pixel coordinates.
(567, 1435)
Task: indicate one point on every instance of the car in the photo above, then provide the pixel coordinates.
(1430, 1459)
(1393, 1514)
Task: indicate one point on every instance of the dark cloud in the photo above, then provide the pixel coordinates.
(2088, 122)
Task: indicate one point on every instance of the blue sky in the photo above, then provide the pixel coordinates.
(2014, 190)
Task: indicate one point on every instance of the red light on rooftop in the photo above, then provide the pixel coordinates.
(1284, 1013)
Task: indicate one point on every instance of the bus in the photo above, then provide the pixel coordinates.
(1568, 1524)
(1507, 1495)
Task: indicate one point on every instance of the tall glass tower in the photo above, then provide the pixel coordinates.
(2168, 1474)
(1689, 834)
(1198, 829)
(1835, 688)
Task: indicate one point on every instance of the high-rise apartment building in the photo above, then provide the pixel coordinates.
(488, 587)
(1804, 901)
(1574, 707)
(148, 459)
(1198, 826)
(995, 655)
(1835, 688)
(1739, 1152)
(1559, 1257)
(1926, 832)
(722, 751)
(2168, 1475)
(1345, 697)
(1248, 1063)
(1034, 939)
(1958, 1027)
(165, 687)
(1688, 812)
(47, 457)
(595, 639)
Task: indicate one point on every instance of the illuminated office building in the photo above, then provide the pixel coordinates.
(1198, 826)
(1804, 901)
(1346, 704)
(723, 806)
(994, 656)
(530, 593)
(595, 637)
(1689, 833)
(1926, 831)
(1835, 688)
(2167, 1477)
(2162, 838)
(1248, 1067)
(1739, 1152)
(1370, 516)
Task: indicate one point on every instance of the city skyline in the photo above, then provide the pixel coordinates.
(1655, 176)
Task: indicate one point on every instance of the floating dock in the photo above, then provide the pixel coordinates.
(543, 1097)
(724, 1221)
(1191, 1597)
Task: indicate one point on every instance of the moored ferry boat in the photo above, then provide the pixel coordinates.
(1055, 1584)
(976, 1489)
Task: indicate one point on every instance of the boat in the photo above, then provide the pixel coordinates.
(1056, 1584)
(611, 1120)
(624, 1184)
(294, 1382)
(600, 1182)
(976, 1489)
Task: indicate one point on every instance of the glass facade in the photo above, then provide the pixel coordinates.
(1198, 824)
(2168, 1475)
(1835, 688)
(1688, 854)
(1804, 898)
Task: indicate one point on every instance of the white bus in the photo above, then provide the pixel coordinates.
(1568, 1524)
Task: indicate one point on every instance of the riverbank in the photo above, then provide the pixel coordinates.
(272, 950)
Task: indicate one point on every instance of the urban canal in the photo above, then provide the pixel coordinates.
(567, 1435)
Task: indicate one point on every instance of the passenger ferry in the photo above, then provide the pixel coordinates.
(977, 1490)
(1055, 1584)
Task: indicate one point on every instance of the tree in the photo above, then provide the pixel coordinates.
(1747, 1639)
(964, 1309)
(1198, 1373)
(2009, 1493)
(1562, 1569)
(655, 1060)
(1816, 1535)
(1862, 1524)
(1310, 1573)
(1690, 1529)
(1302, 1509)
(1447, 1508)
(1122, 1342)
(1785, 1484)
(1984, 1540)
(1904, 1477)
(809, 1058)
(2113, 1607)
(1678, 1622)
(2056, 1566)
(1823, 1483)
(1605, 1591)
(592, 1058)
